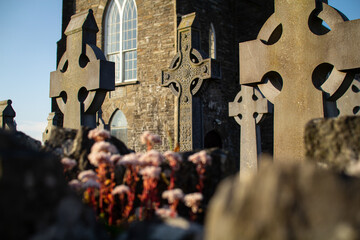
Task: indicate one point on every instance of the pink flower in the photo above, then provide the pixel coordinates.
(115, 158)
(104, 147)
(165, 213)
(96, 158)
(121, 189)
(172, 195)
(91, 184)
(200, 158)
(129, 159)
(193, 201)
(99, 135)
(152, 157)
(173, 158)
(148, 137)
(75, 184)
(86, 175)
(150, 172)
(68, 163)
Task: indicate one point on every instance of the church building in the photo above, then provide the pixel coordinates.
(140, 36)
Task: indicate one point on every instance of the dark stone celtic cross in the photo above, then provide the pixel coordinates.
(83, 76)
(185, 77)
(291, 60)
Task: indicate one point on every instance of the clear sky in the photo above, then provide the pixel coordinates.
(29, 32)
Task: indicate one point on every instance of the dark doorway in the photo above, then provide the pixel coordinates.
(212, 140)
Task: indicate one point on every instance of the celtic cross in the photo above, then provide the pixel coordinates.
(248, 109)
(291, 60)
(185, 77)
(83, 75)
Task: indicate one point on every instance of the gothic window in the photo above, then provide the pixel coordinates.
(118, 126)
(212, 42)
(121, 39)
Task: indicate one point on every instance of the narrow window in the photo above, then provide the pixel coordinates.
(121, 39)
(212, 42)
(118, 126)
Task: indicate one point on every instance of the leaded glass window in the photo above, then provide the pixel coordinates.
(121, 39)
(118, 126)
(212, 42)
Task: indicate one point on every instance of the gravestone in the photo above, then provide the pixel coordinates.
(290, 61)
(7, 115)
(53, 121)
(349, 103)
(248, 109)
(185, 77)
(83, 75)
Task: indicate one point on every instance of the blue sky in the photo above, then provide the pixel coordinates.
(29, 32)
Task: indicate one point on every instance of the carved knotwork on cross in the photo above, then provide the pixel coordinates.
(290, 62)
(185, 77)
(83, 76)
(248, 109)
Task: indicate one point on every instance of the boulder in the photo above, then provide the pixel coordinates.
(334, 142)
(36, 202)
(286, 201)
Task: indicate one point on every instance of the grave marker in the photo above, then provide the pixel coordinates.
(83, 76)
(7, 115)
(248, 109)
(292, 50)
(185, 77)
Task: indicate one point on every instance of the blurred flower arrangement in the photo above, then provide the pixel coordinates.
(148, 188)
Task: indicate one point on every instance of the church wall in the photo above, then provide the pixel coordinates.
(147, 105)
(234, 21)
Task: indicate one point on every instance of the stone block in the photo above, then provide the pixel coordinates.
(285, 201)
(333, 142)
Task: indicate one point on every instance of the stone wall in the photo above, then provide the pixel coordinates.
(147, 105)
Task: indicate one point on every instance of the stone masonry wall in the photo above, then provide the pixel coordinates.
(234, 21)
(146, 105)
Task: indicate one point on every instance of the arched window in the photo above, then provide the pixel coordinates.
(121, 39)
(118, 126)
(212, 42)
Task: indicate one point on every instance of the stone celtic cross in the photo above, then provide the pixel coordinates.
(290, 61)
(185, 77)
(248, 109)
(83, 75)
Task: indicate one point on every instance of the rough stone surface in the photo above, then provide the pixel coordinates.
(148, 106)
(65, 142)
(248, 110)
(333, 142)
(349, 103)
(36, 202)
(295, 81)
(286, 201)
(83, 75)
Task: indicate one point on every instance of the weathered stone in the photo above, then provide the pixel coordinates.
(66, 142)
(7, 115)
(289, 61)
(349, 103)
(53, 121)
(36, 202)
(185, 77)
(333, 142)
(83, 76)
(248, 109)
(286, 201)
